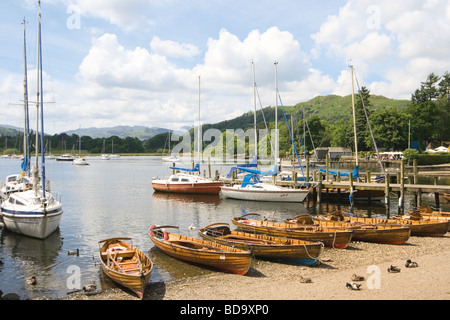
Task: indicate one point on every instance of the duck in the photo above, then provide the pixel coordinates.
(32, 281)
(74, 252)
(192, 227)
(305, 280)
(89, 288)
(357, 278)
(393, 269)
(411, 264)
(353, 286)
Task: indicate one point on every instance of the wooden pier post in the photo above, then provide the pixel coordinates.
(209, 166)
(401, 200)
(387, 198)
(436, 194)
(319, 189)
(350, 178)
(415, 171)
(307, 168)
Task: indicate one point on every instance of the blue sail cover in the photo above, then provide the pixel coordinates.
(355, 172)
(255, 174)
(195, 169)
(271, 172)
(251, 164)
(25, 164)
(248, 180)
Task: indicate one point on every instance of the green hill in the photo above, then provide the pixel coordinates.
(334, 108)
(331, 108)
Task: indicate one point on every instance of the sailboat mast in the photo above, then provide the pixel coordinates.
(199, 142)
(276, 112)
(354, 117)
(254, 116)
(26, 133)
(40, 105)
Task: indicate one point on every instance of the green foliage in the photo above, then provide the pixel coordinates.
(10, 151)
(431, 159)
(411, 154)
(390, 128)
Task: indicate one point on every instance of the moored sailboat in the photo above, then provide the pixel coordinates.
(263, 191)
(35, 212)
(188, 181)
(253, 189)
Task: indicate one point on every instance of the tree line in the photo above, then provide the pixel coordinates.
(426, 118)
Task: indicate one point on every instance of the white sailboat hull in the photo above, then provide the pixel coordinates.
(25, 214)
(265, 192)
(33, 225)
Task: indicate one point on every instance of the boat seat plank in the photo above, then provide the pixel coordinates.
(195, 245)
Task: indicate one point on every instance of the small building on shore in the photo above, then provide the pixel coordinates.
(335, 153)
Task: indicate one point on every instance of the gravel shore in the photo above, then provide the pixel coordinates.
(275, 280)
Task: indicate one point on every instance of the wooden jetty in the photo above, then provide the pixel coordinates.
(399, 183)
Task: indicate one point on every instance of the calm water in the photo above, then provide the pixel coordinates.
(111, 198)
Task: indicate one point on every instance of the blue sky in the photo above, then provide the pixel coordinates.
(137, 62)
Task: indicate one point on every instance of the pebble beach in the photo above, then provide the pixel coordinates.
(277, 280)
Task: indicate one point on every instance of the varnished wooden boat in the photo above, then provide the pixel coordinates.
(376, 233)
(418, 227)
(199, 251)
(125, 264)
(331, 237)
(428, 214)
(262, 245)
(426, 211)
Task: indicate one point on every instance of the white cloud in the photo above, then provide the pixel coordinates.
(387, 39)
(140, 85)
(173, 49)
(128, 15)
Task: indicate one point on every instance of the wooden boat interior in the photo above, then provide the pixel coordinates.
(121, 257)
(180, 240)
(284, 226)
(223, 231)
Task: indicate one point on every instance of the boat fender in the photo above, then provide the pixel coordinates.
(166, 235)
(150, 231)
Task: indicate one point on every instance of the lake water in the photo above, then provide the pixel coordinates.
(112, 198)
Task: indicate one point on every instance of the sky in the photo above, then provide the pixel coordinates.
(154, 62)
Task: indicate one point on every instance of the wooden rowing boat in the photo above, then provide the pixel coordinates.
(426, 211)
(330, 236)
(199, 251)
(125, 264)
(263, 246)
(418, 227)
(376, 233)
(426, 228)
(428, 214)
